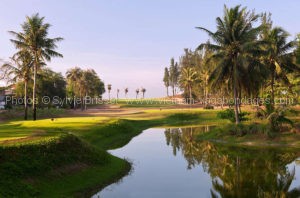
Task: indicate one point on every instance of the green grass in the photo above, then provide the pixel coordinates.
(17, 113)
(147, 102)
(45, 151)
(252, 134)
(36, 169)
(86, 182)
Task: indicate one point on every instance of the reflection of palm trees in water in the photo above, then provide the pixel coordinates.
(237, 172)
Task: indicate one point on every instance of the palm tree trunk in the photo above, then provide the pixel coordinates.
(235, 93)
(34, 91)
(25, 101)
(272, 90)
(190, 90)
(167, 91)
(240, 98)
(173, 89)
(82, 103)
(74, 102)
(85, 107)
(206, 91)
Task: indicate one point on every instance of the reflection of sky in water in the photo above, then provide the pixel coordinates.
(157, 172)
(296, 181)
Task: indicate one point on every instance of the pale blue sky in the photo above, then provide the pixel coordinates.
(129, 42)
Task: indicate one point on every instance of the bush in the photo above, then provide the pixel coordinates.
(276, 121)
(208, 107)
(230, 115)
(183, 116)
(240, 130)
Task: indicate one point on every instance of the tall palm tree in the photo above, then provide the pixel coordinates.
(34, 38)
(126, 92)
(279, 57)
(109, 89)
(187, 78)
(166, 80)
(20, 69)
(137, 91)
(118, 91)
(73, 77)
(235, 47)
(143, 90)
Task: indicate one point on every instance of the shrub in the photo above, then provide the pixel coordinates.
(240, 130)
(230, 115)
(208, 107)
(183, 116)
(276, 121)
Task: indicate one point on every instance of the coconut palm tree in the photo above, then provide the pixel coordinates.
(279, 57)
(166, 80)
(20, 69)
(143, 90)
(73, 76)
(126, 92)
(118, 91)
(187, 78)
(235, 47)
(137, 91)
(34, 38)
(109, 89)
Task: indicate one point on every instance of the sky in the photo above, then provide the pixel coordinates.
(130, 42)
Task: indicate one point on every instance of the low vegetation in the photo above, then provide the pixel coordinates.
(67, 156)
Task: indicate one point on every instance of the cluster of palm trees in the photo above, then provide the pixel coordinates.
(142, 90)
(82, 84)
(34, 49)
(126, 90)
(242, 58)
(171, 77)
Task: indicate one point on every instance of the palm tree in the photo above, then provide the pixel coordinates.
(143, 90)
(235, 48)
(188, 77)
(73, 77)
(109, 89)
(279, 57)
(137, 91)
(118, 91)
(84, 87)
(20, 68)
(166, 80)
(126, 92)
(34, 39)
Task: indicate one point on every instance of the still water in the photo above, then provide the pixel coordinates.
(171, 163)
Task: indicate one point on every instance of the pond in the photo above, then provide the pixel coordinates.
(171, 163)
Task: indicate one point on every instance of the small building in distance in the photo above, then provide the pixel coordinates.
(4, 92)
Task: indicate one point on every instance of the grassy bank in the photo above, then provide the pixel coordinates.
(256, 132)
(67, 156)
(52, 167)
